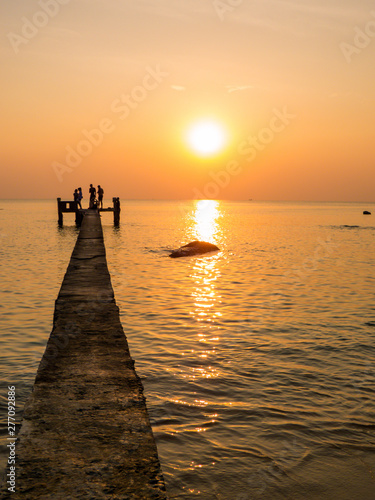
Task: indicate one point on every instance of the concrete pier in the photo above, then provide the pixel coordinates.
(85, 432)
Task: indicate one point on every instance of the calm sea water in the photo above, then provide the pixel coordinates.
(258, 362)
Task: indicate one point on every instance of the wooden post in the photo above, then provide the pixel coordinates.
(60, 221)
(116, 211)
(74, 206)
(79, 216)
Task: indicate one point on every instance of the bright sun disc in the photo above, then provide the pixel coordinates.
(206, 137)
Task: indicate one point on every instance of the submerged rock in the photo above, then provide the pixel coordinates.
(194, 248)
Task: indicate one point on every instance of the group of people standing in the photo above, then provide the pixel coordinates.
(94, 203)
(78, 196)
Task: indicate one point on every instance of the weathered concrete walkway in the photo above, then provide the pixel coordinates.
(85, 432)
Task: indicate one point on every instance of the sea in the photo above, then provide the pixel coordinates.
(258, 361)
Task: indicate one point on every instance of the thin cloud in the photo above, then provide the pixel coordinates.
(179, 88)
(237, 88)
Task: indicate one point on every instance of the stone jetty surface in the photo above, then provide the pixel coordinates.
(85, 431)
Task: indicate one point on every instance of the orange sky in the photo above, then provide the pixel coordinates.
(103, 91)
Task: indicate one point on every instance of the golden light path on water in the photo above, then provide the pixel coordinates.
(206, 301)
(205, 221)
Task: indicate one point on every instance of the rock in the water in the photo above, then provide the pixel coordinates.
(366, 212)
(194, 248)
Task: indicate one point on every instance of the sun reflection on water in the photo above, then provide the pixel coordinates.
(206, 301)
(206, 217)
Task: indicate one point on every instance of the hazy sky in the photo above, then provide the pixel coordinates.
(103, 91)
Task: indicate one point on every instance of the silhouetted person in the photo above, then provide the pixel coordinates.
(80, 196)
(76, 195)
(100, 196)
(92, 192)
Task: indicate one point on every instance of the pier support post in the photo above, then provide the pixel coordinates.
(79, 217)
(116, 211)
(59, 211)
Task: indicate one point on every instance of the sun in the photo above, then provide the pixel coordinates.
(206, 137)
